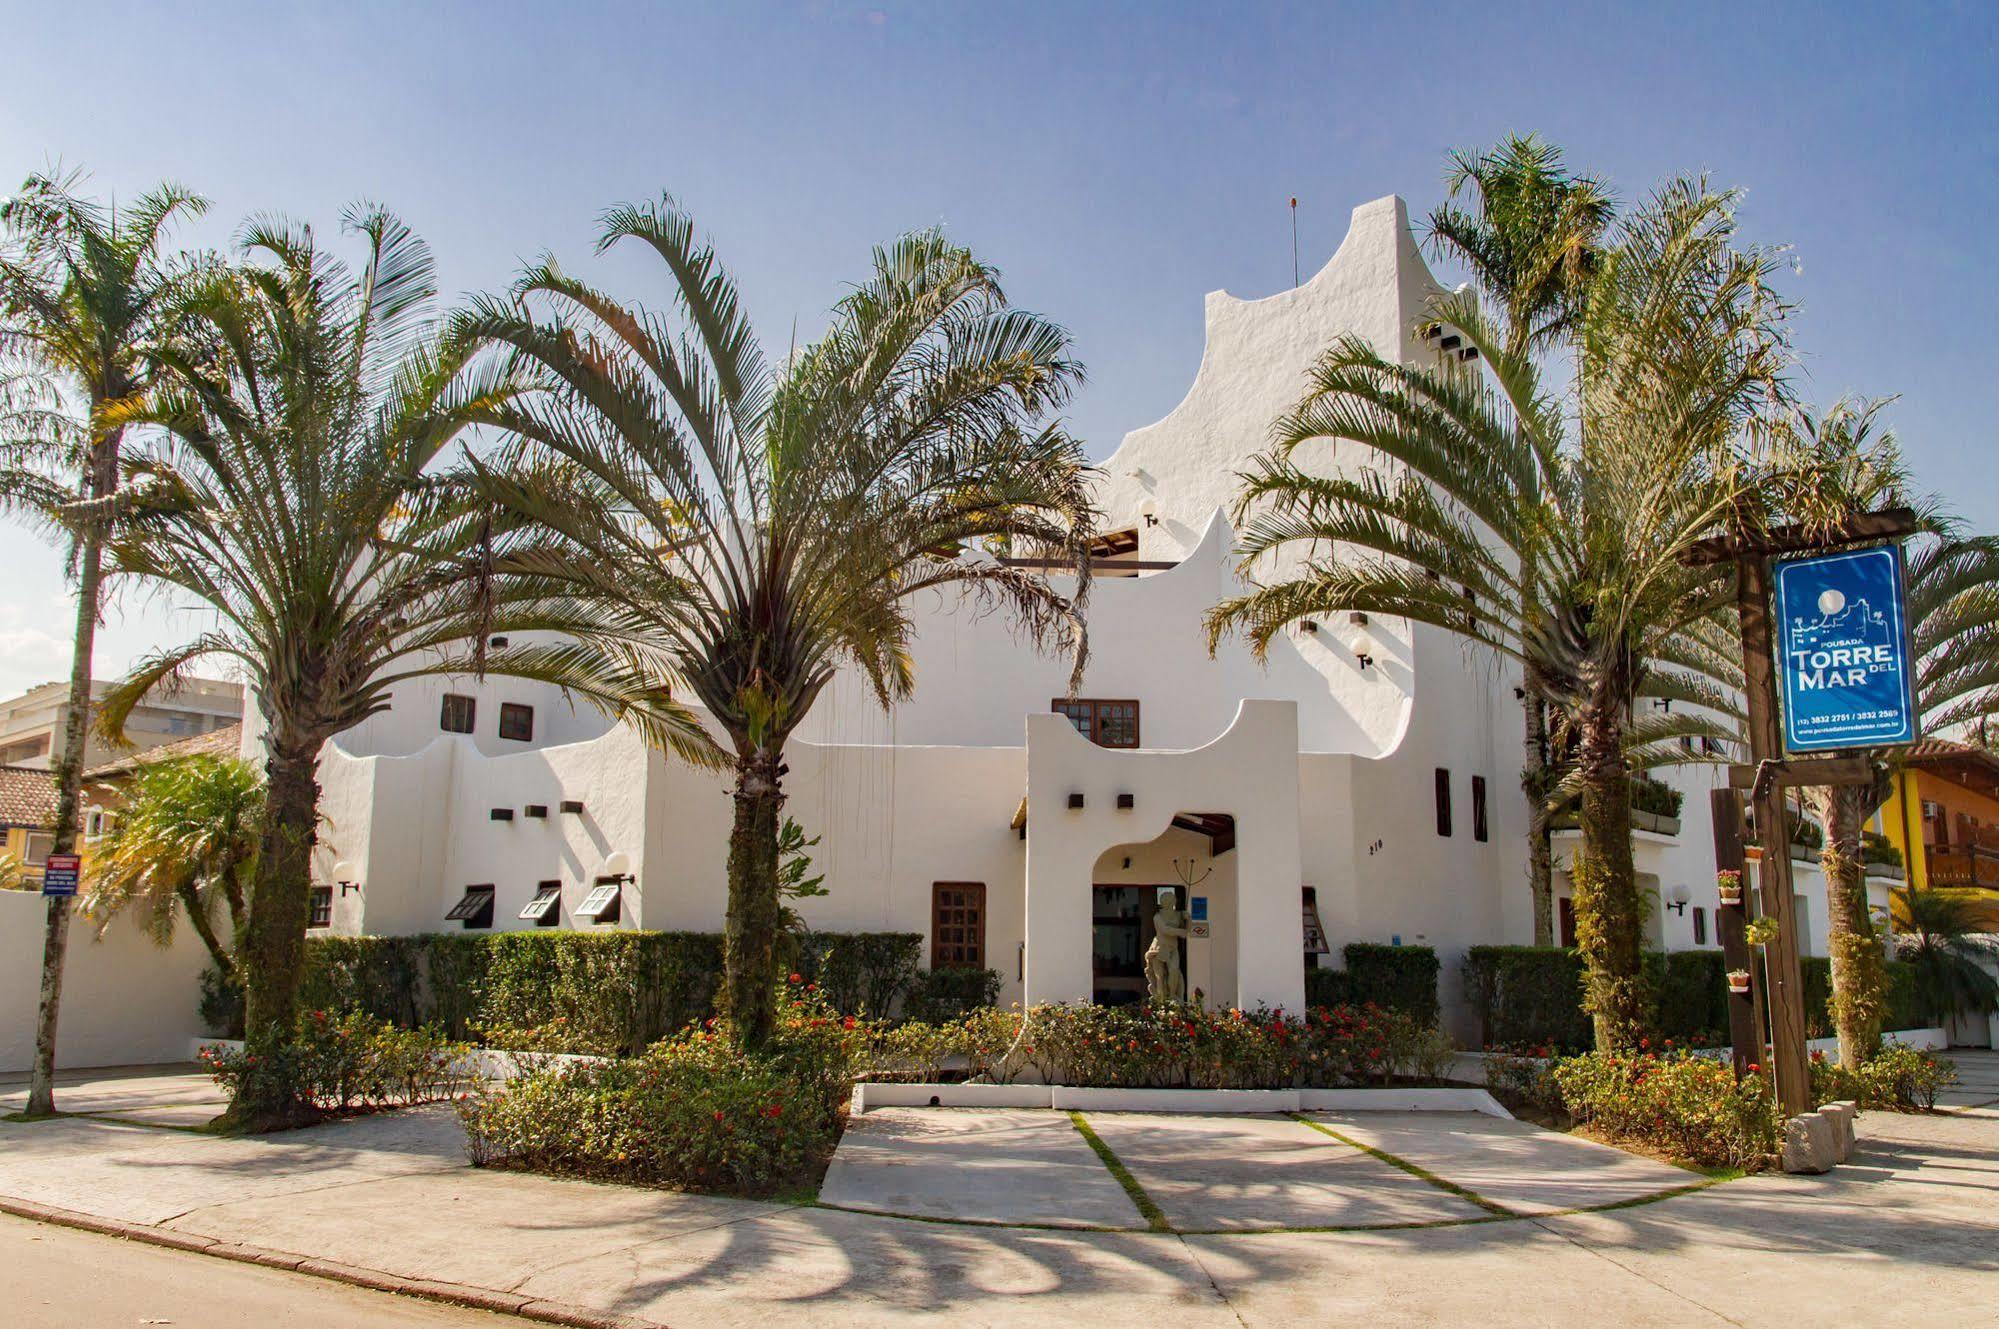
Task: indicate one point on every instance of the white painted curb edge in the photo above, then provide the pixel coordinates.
(869, 1095)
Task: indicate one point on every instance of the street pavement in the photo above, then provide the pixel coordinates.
(1905, 1234)
(59, 1278)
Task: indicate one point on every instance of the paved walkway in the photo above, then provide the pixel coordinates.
(1906, 1234)
(59, 1278)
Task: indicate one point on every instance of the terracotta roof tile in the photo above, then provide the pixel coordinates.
(27, 798)
(223, 742)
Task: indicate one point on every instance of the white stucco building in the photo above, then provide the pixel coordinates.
(1367, 772)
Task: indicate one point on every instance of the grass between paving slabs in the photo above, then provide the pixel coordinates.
(1420, 1173)
(1155, 1217)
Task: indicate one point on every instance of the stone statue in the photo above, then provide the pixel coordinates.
(1163, 979)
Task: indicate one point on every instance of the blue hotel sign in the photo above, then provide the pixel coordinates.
(1843, 639)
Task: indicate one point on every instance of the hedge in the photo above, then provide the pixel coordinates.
(607, 992)
(1532, 996)
(1396, 978)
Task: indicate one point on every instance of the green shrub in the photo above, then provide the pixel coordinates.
(1689, 1107)
(1656, 797)
(939, 996)
(1687, 992)
(1897, 1079)
(1396, 978)
(1528, 996)
(862, 973)
(693, 1112)
(353, 1061)
(1877, 848)
(1186, 1047)
(606, 993)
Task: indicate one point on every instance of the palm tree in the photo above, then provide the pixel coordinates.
(297, 502)
(184, 840)
(1530, 233)
(1830, 466)
(85, 300)
(1939, 940)
(1551, 538)
(743, 531)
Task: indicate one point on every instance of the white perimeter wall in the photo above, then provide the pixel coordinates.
(125, 1001)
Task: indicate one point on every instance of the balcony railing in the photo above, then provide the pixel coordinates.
(1963, 865)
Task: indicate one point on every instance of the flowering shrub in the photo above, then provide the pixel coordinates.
(1689, 1107)
(693, 1112)
(355, 1062)
(1896, 1079)
(1167, 1047)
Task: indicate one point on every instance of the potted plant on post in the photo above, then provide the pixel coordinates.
(1738, 982)
(1729, 883)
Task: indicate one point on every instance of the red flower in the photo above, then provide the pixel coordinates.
(718, 1114)
(796, 978)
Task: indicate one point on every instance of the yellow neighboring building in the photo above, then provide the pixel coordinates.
(1943, 814)
(27, 819)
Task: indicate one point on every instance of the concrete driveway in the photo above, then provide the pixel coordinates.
(1907, 1234)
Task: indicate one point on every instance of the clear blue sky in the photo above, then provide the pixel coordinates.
(1116, 161)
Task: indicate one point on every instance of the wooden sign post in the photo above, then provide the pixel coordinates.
(1746, 1032)
(1769, 774)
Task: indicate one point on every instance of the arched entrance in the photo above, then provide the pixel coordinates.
(1191, 865)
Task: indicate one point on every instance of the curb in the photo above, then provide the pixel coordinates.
(375, 1280)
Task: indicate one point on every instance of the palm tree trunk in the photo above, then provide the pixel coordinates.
(1533, 782)
(750, 998)
(100, 480)
(68, 772)
(1608, 924)
(196, 910)
(1859, 977)
(272, 954)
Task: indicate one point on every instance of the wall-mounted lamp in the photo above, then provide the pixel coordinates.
(1676, 898)
(346, 877)
(1075, 802)
(1662, 704)
(1363, 651)
(617, 867)
(1126, 802)
(1148, 511)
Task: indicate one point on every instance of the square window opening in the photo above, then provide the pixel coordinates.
(604, 904)
(958, 925)
(545, 910)
(1108, 724)
(457, 713)
(474, 909)
(516, 722)
(322, 908)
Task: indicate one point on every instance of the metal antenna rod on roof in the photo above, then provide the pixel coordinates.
(1294, 239)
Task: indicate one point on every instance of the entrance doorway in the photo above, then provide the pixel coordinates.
(1121, 932)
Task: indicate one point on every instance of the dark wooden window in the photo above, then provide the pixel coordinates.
(1443, 801)
(474, 909)
(958, 925)
(516, 721)
(457, 714)
(1478, 826)
(322, 908)
(1108, 724)
(1700, 926)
